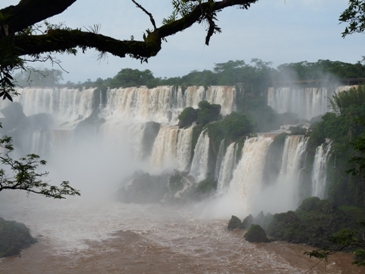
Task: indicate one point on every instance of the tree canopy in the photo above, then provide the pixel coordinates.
(354, 16)
(22, 37)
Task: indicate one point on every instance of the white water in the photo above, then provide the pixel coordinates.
(163, 104)
(219, 159)
(287, 186)
(82, 236)
(319, 174)
(200, 163)
(172, 148)
(306, 102)
(226, 168)
(246, 184)
(67, 106)
(184, 148)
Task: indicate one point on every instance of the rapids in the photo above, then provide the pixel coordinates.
(81, 235)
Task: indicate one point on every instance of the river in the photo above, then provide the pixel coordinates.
(96, 235)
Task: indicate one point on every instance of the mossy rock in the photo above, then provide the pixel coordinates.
(247, 222)
(256, 234)
(14, 237)
(234, 223)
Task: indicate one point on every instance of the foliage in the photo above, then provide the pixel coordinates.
(188, 116)
(233, 127)
(354, 16)
(324, 70)
(208, 113)
(344, 127)
(342, 102)
(131, 78)
(345, 239)
(24, 175)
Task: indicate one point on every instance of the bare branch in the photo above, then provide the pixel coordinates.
(149, 14)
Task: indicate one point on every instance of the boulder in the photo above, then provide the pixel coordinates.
(234, 223)
(256, 234)
(14, 237)
(247, 222)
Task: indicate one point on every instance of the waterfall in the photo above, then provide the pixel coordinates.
(184, 149)
(164, 154)
(306, 102)
(226, 168)
(140, 123)
(163, 104)
(66, 106)
(200, 164)
(222, 95)
(319, 173)
(220, 156)
(172, 148)
(246, 183)
(289, 177)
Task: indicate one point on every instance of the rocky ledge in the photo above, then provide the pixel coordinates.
(14, 237)
(313, 223)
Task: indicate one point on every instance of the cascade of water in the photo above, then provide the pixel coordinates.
(246, 183)
(184, 149)
(319, 173)
(40, 143)
(220, 156)
(200, 163)
(226, 168)
(222, 95)
(172, 148)
(164, 153)
(67, 106)
(288, 180)
(306, 102)
(163, 104)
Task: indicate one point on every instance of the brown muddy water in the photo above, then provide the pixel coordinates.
(95, 236)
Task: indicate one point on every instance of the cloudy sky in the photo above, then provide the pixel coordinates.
(280, 31)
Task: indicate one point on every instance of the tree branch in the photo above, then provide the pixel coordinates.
(30, 12)
(60, 40)
(145, 11)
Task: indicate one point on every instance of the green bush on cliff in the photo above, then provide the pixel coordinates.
(234, 127)
(187, 117)
(208, 185)
(205, 114)
(345, 127)
(208, 113)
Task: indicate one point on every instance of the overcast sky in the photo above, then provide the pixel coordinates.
(280, 31)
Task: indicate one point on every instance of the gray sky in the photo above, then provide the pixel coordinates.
(280, 31)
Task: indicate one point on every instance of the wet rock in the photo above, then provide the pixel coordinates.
(14, 237)
(247, 222)
(256, 234)
(234, 223)
(144, 188)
